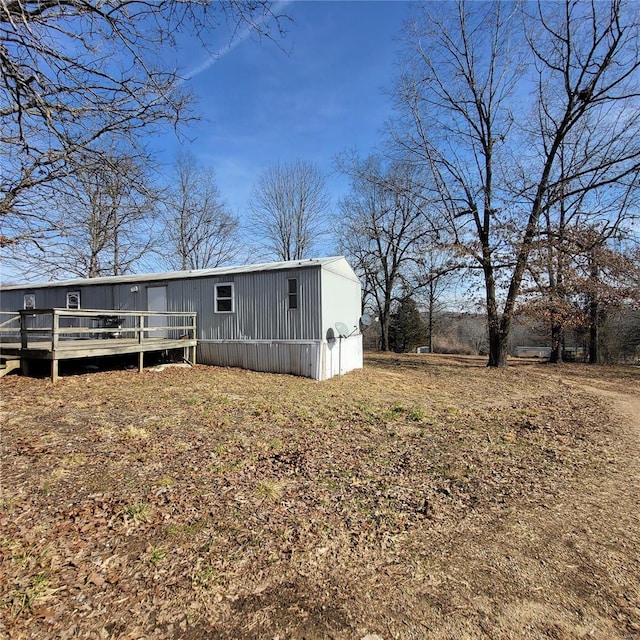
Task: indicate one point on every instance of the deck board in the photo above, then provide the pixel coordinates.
(68, 349)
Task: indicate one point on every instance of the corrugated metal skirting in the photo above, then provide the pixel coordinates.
(297, 358)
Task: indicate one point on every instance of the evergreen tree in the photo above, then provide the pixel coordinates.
(407, 329)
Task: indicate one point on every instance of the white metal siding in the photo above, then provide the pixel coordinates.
(297, 358)
(341, 301)
(341, 355)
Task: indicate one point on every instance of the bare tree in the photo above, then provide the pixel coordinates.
(435, 269)
(199, 230)
(289, 206)
(384, 228)
(467, 73)
(75, 72)
(621, 335)
(607, 283)
(574, 230)
(100, 222)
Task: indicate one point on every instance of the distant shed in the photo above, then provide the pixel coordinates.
(279, 317)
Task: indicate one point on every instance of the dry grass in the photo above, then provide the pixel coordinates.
(423, 497)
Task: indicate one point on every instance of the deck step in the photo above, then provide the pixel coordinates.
(9, 365)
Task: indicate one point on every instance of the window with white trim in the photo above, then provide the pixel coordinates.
(29, 301)
(224, 302)
(73, 300)
(292, 292)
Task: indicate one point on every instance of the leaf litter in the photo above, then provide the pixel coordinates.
(419, 497)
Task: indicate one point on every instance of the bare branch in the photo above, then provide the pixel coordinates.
(77, 72)
(289, 205)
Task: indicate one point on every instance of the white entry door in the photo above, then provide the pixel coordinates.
(157, 301)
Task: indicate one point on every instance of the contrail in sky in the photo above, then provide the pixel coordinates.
(238, 39)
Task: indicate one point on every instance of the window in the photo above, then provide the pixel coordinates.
(293, 293)
(224, 298)
(29, 301)
(73, 300)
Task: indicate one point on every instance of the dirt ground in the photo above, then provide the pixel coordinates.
(422, 497)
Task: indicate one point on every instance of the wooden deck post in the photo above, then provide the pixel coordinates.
(140, 338)
(55, 335)
(55, 330)
(194, 336)
(24, 336)
(24, 344)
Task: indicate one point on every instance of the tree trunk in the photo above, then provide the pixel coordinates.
(498, 341)
(593, 309)
(432, 305)
(384, 333)
(593, 332)
(385, 314)
(498, 329)
(556, 344)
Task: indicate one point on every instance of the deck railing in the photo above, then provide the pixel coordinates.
(52, 326)
(9, 323)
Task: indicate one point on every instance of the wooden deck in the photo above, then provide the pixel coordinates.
(44, 336)
(90, 348)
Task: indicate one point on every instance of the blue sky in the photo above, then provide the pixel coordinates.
(323, 92)
(316, 93)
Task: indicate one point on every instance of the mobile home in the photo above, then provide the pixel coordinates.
(299, 317)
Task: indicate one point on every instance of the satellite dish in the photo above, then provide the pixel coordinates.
(365, 320)
(342, 329)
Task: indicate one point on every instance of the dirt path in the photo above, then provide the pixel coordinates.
(624, 398)
(566, 568)
(586, 543)
(626, 404)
